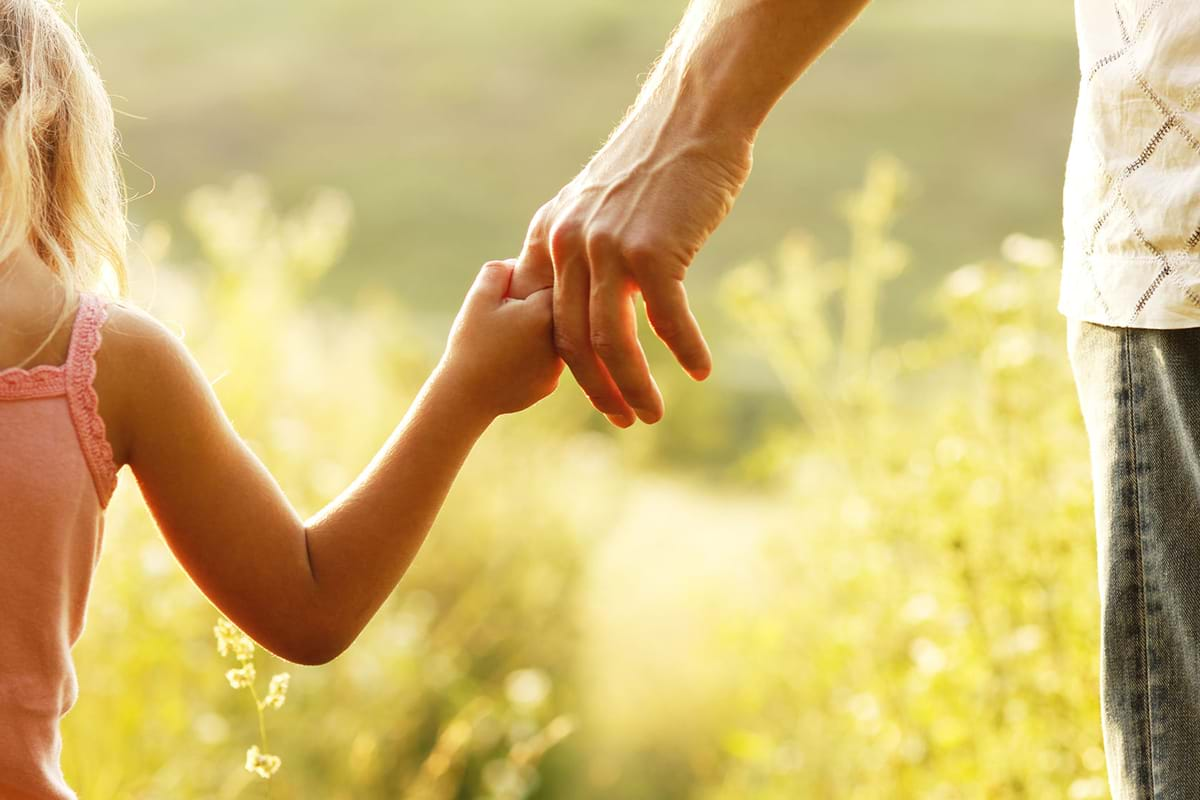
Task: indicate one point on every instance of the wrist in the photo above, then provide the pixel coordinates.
(457, 399)
(699, 98)
(673, 118)
(675, 110)
(712, 81)
(728, 64)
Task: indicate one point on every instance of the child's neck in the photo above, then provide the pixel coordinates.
(31, 301)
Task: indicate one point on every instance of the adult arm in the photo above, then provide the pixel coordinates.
(636, 215)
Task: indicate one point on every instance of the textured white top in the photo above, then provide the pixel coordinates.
(1131, 200)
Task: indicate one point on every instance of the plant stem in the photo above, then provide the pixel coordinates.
(262, 729)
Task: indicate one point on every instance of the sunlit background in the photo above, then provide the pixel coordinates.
(858, 562)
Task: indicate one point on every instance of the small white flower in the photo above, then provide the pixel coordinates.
(232, 640)
(262, 764)
(241, 678)
(277, 691)
(224, 631)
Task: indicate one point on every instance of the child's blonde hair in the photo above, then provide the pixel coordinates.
(60, 182)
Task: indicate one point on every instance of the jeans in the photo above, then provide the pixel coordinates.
(1140, 394)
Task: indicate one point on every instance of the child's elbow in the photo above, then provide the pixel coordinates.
(316, 651)
(313, 656)
(311, 647)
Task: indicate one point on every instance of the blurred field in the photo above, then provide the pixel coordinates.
(450, 123)
(859, 563)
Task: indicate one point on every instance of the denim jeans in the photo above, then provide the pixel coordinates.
(1140, 394)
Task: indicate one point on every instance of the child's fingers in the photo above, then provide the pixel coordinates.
(491, 284)
(536, 310)
(542, 300)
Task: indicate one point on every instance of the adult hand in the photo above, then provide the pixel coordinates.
(637, 214)
(631, 222)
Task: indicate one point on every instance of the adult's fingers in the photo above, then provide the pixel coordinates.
(534, 266)
(673, 322)
(573, 342)
(614, 339)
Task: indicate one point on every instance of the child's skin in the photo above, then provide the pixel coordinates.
(304, 590)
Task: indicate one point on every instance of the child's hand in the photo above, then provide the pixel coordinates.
(501, 355)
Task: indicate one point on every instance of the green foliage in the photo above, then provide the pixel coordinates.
(897, 598)
(933, 622)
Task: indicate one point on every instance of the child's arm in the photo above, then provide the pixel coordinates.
(304, 590)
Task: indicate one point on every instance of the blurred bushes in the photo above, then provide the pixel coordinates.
(933, 627)
(903, 604)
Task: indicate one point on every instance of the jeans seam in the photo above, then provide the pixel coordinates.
(1148, 737)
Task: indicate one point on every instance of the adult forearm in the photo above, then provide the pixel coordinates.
(361, 545)
(730, 61)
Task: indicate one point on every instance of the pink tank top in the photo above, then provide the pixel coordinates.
(56, 477)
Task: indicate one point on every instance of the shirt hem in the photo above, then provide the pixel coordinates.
(1159, 293)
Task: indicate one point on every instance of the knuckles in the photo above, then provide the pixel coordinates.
(602, 242)
(569, 236)
(639, 253)
(566, 239)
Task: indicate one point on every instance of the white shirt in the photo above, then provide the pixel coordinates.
(1131, 200)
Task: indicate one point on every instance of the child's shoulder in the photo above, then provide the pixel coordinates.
(130, 332)
(140, 363)
(135, 346)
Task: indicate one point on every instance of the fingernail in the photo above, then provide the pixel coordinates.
(620, 420)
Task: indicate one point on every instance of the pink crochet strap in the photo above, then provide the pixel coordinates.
(81, 394)
(28, 384)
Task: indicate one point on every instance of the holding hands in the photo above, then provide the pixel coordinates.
(630, 223)
(634, 218)
(500, 356)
